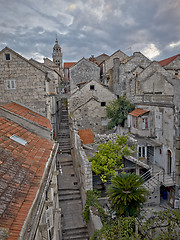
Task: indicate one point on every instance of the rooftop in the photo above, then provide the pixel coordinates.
(138, 112)
(28, 114)
(69, 64)
(21, 170)
(168, 60)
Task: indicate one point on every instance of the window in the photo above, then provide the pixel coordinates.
(103, 104)
(104, 121)
(91, 87)
(10, 84)
(145, 124)
(18, 140)
(176, 72)
(7, 56)
(142, 152)
(135, 122)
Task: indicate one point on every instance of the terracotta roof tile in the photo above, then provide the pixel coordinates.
(69, 64)
(21, 170)
(168, 60)
(86, 135)
(28, 114)
(138, 112)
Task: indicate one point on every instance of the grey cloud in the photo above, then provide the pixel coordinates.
(89, 27)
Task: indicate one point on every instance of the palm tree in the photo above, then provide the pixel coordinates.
(127, 194)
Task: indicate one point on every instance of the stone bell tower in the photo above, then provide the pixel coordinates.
(57, 55)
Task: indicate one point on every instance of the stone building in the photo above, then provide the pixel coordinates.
(87, 106)
(54, 75)
(107, 65)
(83, 71)
(25, 82)
(29, 206)
(99, 59)
(126, 70)
(172, 65)
(154, 124)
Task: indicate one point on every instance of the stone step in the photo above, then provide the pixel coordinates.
(64, 136)
(67, 192)
(70, 197)
(75, 233)
(66, 163)
(66, 143)
(64, 150)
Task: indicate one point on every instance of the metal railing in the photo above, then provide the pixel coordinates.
(154, 181)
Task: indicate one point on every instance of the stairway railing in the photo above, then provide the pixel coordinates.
(154, 181)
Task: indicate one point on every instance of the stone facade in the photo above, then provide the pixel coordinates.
(155, 91)
(87, 106)
(24, 82)
(56, 78)
(83, 71)
(125, 71)
(172, 65)
(107, 65)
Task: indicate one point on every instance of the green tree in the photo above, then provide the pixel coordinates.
(108, 157)
(127, 194)
(117, 111)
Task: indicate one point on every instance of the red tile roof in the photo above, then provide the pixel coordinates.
(168, 60)
(138, 112)
(69, 64)
(28, 114)
(21, 170)
(86, 135)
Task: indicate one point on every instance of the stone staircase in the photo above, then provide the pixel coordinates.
(75, 233)
(152, 183)
(66, 194)
(63, 136)
(68, 187)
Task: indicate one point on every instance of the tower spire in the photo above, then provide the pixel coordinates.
(57, 55)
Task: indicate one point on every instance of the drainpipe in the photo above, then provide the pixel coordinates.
(178, 165)
(116, 63)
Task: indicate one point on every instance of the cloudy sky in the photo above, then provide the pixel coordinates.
(90, 27)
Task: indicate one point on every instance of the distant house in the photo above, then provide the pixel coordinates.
(107, 65)
(25, 82)
(28, 194)
(172, 65)
(54, 75)
(83, 71)
(87, 106)
(125, 71)
(67, 65)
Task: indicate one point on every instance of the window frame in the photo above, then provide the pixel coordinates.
(145, 122)
(92, 87)
(10, 84)
(7, 54)
(135, 122)
(103, 104)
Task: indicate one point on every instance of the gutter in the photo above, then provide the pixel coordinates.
(34, 215)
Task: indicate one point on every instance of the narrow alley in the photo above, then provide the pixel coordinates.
(68, 187)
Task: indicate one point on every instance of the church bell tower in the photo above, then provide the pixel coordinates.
(57, 55)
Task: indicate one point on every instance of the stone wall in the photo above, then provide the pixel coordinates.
(87, 106)
(30, 84)
(127, 70)
(81, 164)
(83, 71)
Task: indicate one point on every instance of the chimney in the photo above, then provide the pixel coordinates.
(116, 63)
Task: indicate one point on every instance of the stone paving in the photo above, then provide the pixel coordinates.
(68, 188)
